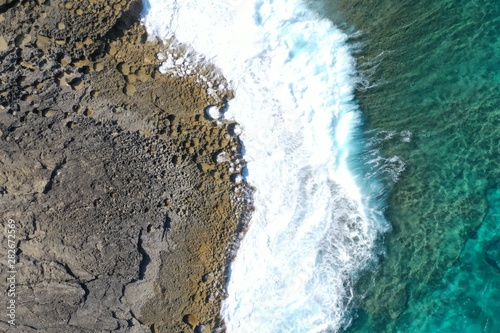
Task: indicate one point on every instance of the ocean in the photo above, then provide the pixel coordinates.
(370, 132)
(434, 70)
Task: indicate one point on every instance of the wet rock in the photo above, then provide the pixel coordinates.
(221, 157)
(235, 129)
(237, 179)
(202, 329)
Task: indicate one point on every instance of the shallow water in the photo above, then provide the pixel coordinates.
(434, 101)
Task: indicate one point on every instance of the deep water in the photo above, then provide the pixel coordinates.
(432, 98)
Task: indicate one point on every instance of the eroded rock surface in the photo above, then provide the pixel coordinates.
(124, 215)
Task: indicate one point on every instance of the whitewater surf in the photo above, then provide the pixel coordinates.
(316, 221)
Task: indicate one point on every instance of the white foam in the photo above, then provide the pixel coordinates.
(312, 230)
(213, 112)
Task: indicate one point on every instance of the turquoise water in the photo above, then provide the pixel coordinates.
(433, 71)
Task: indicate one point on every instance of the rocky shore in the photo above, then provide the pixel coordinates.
(116, 179)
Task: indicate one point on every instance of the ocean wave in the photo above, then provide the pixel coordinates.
(315, 224)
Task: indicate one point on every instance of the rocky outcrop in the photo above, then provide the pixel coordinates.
(124, 217)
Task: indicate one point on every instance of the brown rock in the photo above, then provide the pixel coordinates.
(112, 49)
(43, 42)
(22, 40)
(195, 142)
(191, 320)
(81, 63)
(27, 65)
(61, 80)
(124, 68)
(3, 44)
(64, 61)
(49, 113)
(98, 66)
(131, 78)
(202, 329)
(208, 278)
(129, 89)
(205, 167)
(142, 75)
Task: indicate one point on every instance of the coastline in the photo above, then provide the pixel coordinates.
(124, 217)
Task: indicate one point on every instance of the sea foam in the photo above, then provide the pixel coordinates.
(314, 227)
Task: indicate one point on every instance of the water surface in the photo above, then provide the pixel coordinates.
(434, 101)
